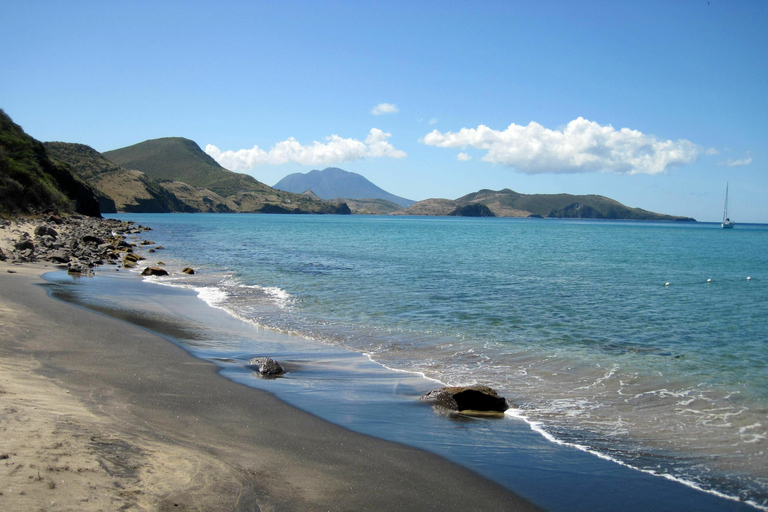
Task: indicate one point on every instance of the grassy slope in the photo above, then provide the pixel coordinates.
(30, 180)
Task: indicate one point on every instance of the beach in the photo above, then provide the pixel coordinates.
(98, 414)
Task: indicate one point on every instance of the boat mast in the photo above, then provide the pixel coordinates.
(725, 207)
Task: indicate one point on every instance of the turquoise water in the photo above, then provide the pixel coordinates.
(572, 321)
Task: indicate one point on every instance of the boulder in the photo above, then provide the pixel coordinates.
(154, 271)
(43, 230)
(47, 241)
(55, 219)
(24, 243)
(79, 268)
(188, 270)
(133, 256)
(2, 255)
(265, 366)
(59, 256)
(90, 239)
(467, 398)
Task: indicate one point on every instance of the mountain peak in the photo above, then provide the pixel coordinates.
(335, 183)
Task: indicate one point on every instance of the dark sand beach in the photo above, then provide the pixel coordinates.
(98, 414)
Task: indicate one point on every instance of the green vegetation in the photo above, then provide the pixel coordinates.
(179, 159)
(31, 181)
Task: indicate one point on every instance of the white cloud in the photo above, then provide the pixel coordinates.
(335, 149)
(384, 108)
(433, 120)
(581, 146)
(463, 157)
(379, 146)
(736, 163)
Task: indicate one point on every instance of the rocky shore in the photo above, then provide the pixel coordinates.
(79, 242)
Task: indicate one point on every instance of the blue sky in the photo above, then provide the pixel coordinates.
(654, 104)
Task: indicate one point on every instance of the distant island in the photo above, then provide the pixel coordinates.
(173, 174)
(508, 203)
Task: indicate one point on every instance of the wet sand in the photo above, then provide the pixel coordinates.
(98, 414)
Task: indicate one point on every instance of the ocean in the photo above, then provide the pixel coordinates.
(633, 347)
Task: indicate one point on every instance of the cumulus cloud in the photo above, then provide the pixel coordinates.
(463, 157)
(581, 146)
(384, 108)
(335, 149)
(737, 163)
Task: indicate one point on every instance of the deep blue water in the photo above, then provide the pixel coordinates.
(642, 342)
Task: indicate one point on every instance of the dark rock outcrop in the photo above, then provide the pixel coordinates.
(265, 366)
(472, 210)
(43, 230)
(188, 270)
(24, 243)
(154, 271)
(75, 266)
(467, 398)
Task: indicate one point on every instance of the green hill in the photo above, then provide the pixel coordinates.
(181, 160)
(119, 189)
(508, 203)
(30, 180)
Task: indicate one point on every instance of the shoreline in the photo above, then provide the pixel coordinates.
(558, 478)
(107, 415)
(342, 388)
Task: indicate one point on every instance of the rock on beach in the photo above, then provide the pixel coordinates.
(154, 271)
(265, 366)
(467, 398)
(78, 241)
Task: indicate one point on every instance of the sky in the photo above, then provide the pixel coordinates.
(656, 104)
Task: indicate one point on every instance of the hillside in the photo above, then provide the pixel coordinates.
(335, 183)
(175, 159)
(508, 203)
(372, 206)
(30, 180)
(118, 189)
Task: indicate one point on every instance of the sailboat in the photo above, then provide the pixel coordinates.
(727, 223)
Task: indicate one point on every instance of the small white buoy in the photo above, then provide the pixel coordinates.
(749, 278)
(709, 280)
(666, 284)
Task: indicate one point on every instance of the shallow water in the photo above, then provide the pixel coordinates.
(349, 389)
(571, 320)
